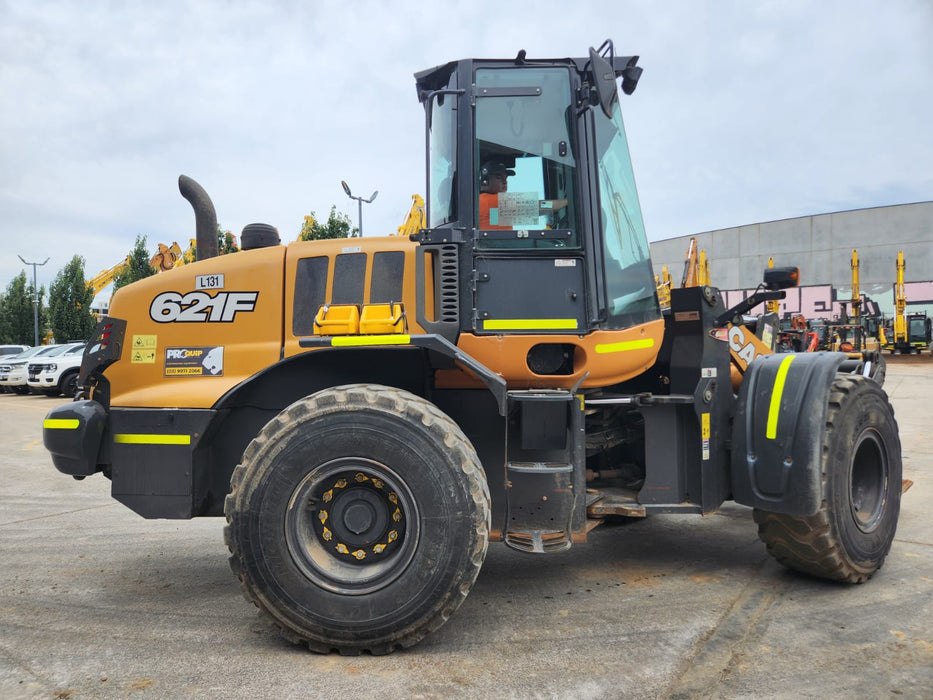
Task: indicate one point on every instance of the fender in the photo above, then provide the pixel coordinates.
(777, 436)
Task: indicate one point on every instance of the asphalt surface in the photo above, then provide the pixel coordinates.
(96, 602)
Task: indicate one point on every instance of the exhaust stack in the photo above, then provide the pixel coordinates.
(205, 217)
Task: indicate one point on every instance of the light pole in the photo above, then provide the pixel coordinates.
(35, 299)
(360, 200)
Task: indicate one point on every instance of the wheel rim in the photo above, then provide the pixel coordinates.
(869, 481)
(352, 526)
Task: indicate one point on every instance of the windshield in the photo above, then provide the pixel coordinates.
(631, 289)
(59, 350)
(26, 354)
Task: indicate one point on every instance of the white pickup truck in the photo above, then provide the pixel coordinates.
(56, 373)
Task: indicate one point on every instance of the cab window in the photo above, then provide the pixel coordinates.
(525, 167)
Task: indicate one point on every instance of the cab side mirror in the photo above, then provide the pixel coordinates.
(604, 80)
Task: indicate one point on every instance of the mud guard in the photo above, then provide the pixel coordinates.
(777, 436)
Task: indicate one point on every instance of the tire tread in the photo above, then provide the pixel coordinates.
(397, 402)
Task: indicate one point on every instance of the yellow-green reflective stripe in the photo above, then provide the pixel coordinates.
(776, 393)
(342, 341)
(625, 345)
(61, 423)
(143, 439)
(531, 324)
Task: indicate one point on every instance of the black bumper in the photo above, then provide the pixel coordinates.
(73, 433)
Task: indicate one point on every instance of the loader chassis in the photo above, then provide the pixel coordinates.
(369, 413)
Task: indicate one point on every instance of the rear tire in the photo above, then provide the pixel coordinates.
(850, 535)
(358, 519)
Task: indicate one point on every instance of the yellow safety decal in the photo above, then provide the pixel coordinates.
(145, 341)
(625, 345)
(61, 423)
(143, 350)
(704, 423)
(143, 439)
(775, 409)
(343, 341)
(530, 324)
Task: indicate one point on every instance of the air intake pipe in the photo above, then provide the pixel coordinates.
(205, 217)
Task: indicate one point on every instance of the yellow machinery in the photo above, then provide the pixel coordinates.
(415, 220)
(853, 335)
(900, 341)
(856, 302)
(911, 332)
(745, 343)
(773, 306)
(105, 277)
(167, 257)
(368, 414)
(664, 283)
(691, 266)
(696, 267)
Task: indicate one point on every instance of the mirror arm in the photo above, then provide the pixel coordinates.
(747, 305)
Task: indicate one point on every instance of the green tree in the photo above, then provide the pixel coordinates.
(138, 267)
(337, 226)
(17, 312)
(70, 303)
(226, 242)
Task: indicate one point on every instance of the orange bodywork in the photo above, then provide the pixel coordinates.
(744, 347)
(251, 339)
(605, 357)
(244, 312)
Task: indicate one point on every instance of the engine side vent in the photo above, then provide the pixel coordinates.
(448, 285)
(445, 278)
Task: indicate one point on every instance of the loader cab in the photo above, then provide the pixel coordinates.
(563, 250)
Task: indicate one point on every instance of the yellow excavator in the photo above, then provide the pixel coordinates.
(854, 334)
(167, 257)
(105, 277)
(415, 220)
(911, 332)
(664, 284)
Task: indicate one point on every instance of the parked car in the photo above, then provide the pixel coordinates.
(56, 374)
(13, 367)
(12, 349)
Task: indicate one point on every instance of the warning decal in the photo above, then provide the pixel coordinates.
(194, 362)
(143, 350)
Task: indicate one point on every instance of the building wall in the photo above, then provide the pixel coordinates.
(821, 246)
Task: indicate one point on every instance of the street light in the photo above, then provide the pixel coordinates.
(360, 200)
(35, 290)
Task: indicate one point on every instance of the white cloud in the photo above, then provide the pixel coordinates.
(746, 112)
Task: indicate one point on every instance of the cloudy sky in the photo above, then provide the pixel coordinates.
(747, 111)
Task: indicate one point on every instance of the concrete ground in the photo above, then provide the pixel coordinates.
(96, 602)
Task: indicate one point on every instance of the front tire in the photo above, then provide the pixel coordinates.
(358, 519)
(68, 384)
(850, 535)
